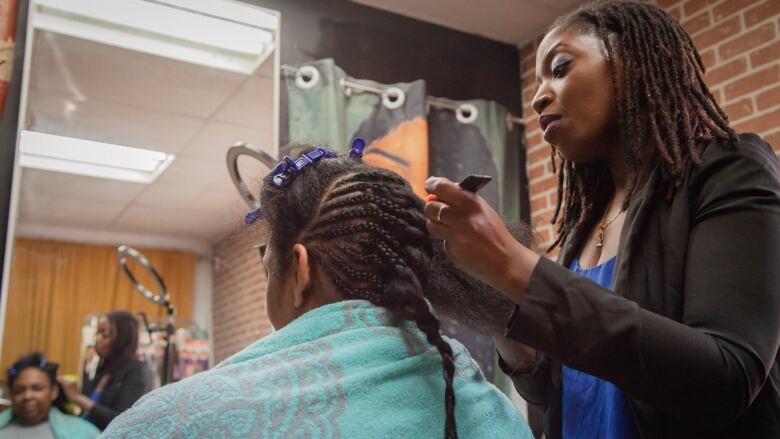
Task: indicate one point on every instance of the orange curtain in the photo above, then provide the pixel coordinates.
(55, 285)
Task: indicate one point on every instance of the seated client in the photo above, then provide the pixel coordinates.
(357, 352)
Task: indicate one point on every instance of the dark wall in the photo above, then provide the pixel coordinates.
(372, 44)
(8, 123)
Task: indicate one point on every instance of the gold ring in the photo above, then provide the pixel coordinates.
(438, 214)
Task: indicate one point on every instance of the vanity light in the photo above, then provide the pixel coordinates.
(50, 152)
(222, 34)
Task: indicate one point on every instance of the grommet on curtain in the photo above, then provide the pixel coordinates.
(466, 113)
(307, 77)
(393, 98)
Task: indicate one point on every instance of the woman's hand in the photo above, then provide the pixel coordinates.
(476, 238)
(71, 391)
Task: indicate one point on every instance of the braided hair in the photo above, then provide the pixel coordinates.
(661, 98)
(365, 228)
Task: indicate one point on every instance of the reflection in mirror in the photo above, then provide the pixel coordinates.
(129, 108)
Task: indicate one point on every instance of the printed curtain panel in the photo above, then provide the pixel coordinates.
(323, 112)
(402, 137)
(476, 139)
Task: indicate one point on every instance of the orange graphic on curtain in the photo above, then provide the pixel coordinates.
(404, 150)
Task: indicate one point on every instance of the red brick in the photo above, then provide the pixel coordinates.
(536, 172)
(528, 64)
(539, 204)
(727, 71)
(675, 12)
(528, 94)
(527, 79)
(667, 3)
(765, 55)
(543, 185)
(774, 140)
(718, 33)
(768, 9)
(535, 139)
(739, 109)
(542, 218)
(693, 6)
(768, 99)
(697, 23)
(747, 41)
(724, 9)
(532, 125)
(527, 51)
(752, 82)
(764, 122)
(708, 58)
(539, 155)
(528, 112)
(543, 236)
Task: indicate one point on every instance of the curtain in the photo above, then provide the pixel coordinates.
(416, 140)
(55, 285)
(476, 139)
(394, 127)
(479, 142)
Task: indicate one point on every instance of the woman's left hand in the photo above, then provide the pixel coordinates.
(70, 388)
(476, 238)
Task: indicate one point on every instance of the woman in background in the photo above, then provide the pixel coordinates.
(120, 379)
(36, 403)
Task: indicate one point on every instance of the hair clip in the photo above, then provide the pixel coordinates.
(286, 171)
(358, 145)
(12, 371)
(288, 168)
(253, 216)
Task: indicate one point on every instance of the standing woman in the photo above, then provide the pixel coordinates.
(120, 379)
(662, 316)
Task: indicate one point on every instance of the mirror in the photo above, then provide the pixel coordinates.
(128, 110)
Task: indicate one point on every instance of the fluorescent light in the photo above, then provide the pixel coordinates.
(50, 152)
(212, 37)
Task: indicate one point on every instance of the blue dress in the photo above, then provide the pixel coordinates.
(594, 408)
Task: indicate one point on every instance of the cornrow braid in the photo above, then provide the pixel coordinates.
(365, 227)
(661, 99)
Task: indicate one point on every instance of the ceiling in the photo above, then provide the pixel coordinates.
(510, 21)
(97, 92)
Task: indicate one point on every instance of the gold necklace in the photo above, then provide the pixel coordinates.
(603, 226)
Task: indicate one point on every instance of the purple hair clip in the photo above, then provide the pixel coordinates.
(288, 169)
(13, 370)
(358, 145)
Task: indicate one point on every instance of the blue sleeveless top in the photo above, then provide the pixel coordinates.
(592, 407)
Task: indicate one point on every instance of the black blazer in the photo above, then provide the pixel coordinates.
(125, 386)
(691, 333)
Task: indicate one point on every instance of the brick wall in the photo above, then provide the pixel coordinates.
(739, 41)
(238, 301)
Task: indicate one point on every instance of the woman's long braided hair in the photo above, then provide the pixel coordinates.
(662, 101)
(365, 228)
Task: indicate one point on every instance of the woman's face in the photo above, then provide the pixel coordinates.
(33, 394)
(575, 100)
(104, 337)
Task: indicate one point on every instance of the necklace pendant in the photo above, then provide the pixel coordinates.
(600, 238)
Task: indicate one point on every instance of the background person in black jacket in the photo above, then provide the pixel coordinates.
(668, 300)
(120, 379)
